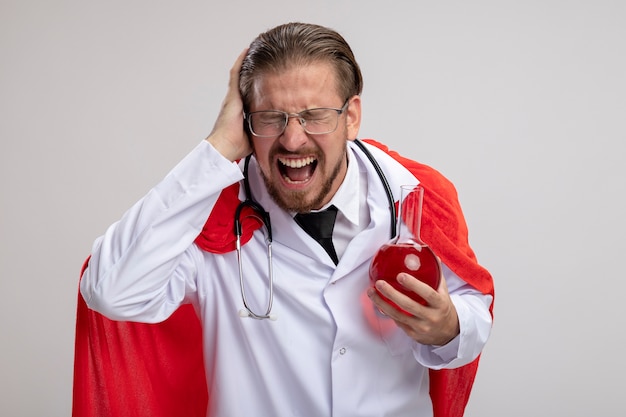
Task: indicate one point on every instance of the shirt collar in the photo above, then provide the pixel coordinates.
(346, 199)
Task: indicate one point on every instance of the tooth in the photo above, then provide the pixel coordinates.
(297, 163)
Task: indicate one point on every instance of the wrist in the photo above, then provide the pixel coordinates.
(227, 148)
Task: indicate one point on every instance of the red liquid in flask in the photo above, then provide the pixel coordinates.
(414, 259)
(407, 253)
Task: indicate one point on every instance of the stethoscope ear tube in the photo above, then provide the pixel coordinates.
(249, 202)
(259, 211)
(383, 179)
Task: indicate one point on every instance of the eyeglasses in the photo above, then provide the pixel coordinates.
(270, 123)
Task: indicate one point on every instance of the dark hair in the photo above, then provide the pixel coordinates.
(299, 44)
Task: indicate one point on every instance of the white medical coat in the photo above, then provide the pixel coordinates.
(328, 353)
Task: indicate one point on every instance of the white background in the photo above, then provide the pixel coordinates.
(520, 103)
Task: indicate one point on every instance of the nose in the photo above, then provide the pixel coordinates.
(294, 135)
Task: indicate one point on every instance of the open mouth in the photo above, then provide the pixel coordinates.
(297, 170)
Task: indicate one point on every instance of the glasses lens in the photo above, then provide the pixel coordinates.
(267, 123)
(319, 121)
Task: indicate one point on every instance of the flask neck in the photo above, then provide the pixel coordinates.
(410, 214)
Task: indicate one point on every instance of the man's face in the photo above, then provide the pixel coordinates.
(303, 171)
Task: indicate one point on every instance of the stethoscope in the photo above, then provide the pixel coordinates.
(264, 217)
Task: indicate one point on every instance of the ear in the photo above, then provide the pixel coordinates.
(353, 117)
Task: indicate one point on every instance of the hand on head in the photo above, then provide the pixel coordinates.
(228, 135)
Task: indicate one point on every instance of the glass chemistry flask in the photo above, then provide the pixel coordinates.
(406, 252)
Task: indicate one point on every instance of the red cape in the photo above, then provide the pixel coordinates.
(157, 370)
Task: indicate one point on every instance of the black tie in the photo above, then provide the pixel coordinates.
(319, 225)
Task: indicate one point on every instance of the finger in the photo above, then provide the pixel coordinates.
(408, 307)
(228, 135)
(425, 291)
(383, 306)
(233, 82)
(443, 286)
(416, 327)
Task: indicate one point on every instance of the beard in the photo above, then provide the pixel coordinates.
(304, 201)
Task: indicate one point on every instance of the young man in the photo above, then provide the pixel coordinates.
(332, 344)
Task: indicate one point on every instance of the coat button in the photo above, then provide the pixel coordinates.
(342, 351)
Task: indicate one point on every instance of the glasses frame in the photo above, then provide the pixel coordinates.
(287, 116)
